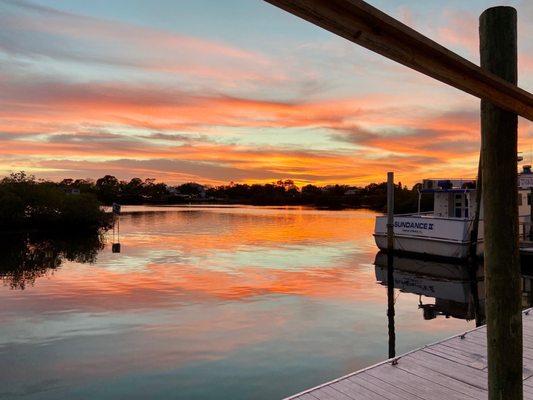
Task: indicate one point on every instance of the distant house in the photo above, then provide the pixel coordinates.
(201, 193)
(351, 192)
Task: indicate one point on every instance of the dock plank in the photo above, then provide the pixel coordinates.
(306, 396)
(384, 389)
(328, 393)
(438, 378)
(355, 391)
(451, 369)
(458, 355)
(412, 383)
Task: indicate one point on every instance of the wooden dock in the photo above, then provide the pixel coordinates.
(452, 369)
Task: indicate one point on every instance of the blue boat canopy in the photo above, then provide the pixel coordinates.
(453, 190)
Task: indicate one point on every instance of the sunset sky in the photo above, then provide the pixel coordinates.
(235, 90)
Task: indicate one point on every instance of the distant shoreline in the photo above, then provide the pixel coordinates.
(212, 204)
(108, 209)
(76, 205)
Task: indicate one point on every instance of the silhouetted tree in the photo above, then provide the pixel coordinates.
(107, 189)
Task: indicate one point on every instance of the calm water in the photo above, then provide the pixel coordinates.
(210, 303)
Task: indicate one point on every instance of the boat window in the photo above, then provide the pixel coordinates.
(461, 205)
(458, 203)
(519, 199)
(529, 199)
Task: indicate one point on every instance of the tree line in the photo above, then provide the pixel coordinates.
(109, 189)
(28, 203)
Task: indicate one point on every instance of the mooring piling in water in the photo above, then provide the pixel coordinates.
(390, 264)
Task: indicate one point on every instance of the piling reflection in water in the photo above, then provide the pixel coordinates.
(390, 305)
(26, 257)
(456, 290)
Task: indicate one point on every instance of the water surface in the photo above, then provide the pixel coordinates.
(206, 303)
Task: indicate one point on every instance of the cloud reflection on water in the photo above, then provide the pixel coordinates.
(257, 291)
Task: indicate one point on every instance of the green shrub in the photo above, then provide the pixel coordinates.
(27, 204)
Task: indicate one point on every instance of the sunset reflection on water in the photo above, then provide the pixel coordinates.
(205, 303)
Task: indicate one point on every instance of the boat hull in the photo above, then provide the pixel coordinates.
(428, 247)
(429, 236)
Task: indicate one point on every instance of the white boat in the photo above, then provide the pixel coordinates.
(446, 231)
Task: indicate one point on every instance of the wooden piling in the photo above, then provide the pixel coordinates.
(498, 50)
(474, 233)
(390, 264)
(390, 211)
(531, 213)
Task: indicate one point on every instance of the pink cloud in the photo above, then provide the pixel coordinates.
(76, 38)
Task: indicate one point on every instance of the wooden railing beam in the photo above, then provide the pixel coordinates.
(367, 26)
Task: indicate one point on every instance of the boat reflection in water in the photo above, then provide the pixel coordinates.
(456, 290)
(444, 289)
(26, 257)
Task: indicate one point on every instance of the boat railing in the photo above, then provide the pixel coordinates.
(428, 214)
(414, 214)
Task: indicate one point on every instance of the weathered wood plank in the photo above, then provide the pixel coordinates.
(392, 384)
(480, 337)
(384, 389)
(476, 341)
(359, 22)
(468, 345)
(412, 383)
(306, 396)
(328, 393)
(355, 391)
(458, 355)
(466, 390)
(460, 372)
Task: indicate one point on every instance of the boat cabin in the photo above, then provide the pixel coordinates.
(525, 193)
(456, 198)
(452, 198)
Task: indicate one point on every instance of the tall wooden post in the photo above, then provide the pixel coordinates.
(390, 264)
(390, 211)
(497, 31)
(474, 233)
(531, 213)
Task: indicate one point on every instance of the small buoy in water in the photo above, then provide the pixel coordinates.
(115, 247)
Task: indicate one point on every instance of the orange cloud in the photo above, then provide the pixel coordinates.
(176, 129)
(42, 123)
